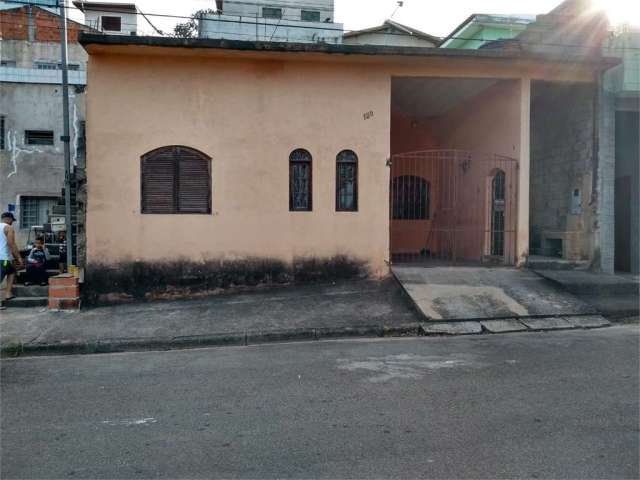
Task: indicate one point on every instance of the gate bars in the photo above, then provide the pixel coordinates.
(453, 206)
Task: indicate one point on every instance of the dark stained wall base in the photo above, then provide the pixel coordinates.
(145, 281)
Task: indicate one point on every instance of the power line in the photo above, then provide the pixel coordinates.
(305, 27)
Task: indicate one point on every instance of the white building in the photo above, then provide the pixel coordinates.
(306, 21)
(31, 151)
(111, 18)
(391, 33)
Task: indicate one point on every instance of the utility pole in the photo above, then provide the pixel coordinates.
(66, 137)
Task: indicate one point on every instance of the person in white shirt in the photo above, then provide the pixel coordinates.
(9, 254)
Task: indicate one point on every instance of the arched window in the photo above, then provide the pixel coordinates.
(347, 181)
(300, 173)
(175, 179)
(410, 198)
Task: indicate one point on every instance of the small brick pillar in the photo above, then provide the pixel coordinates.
(64, 292)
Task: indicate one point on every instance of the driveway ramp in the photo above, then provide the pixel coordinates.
(481, 293)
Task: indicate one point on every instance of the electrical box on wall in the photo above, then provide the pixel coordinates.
(576, 202)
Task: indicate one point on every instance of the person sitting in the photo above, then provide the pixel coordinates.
(62, 263)
(37, 263)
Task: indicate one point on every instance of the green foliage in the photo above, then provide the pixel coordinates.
(189, 29)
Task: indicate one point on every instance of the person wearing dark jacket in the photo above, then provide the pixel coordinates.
(37, 264)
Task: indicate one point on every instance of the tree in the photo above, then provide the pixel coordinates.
(189, 29)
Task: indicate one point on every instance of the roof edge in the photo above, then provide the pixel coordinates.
(88, 39)
(391, 23)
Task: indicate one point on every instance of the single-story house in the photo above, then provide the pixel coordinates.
(205, 150)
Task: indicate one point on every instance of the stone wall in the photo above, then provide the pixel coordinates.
(562, 173)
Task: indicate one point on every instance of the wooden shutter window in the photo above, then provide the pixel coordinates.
(194, 194)
(176, 180)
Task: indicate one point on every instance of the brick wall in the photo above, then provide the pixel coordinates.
(562, 159)
(16, 24)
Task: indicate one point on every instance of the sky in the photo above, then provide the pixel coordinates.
(436, 17)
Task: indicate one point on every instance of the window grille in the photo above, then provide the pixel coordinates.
(497, 213)
(82, 139)
(269, 12)
(410, 198)
(300, 181)
(347, 181)
(38, 137)
(176, 180)
(111, 24)
(2, 132)
(45, 65)
(55, 66)
(35, 210)
(310, 16)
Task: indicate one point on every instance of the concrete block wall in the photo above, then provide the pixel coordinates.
(562, 167)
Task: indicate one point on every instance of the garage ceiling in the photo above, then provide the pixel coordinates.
(428, 97)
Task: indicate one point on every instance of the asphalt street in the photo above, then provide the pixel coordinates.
(534, 405)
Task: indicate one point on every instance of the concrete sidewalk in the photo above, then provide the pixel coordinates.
(362, 308)
(615, 296)
(311, 312)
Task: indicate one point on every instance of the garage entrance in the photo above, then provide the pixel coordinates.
(453, 206)
(454, 170)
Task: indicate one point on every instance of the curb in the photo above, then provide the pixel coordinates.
(247, 338)
(116, 345)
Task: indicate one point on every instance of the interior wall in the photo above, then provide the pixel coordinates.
(487, 123)
(411, 134)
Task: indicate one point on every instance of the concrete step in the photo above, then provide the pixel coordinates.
(614, 306)
(31, 291)
(21, 275)
(537, 262)
(583, 283)
(27, 302)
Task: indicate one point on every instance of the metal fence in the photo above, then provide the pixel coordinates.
(453, 206)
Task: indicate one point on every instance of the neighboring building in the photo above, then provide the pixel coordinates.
(622, 85)
(567, 181)
(299, 21)
(579, 209)
(111, 18)
(31, 152)
(480, 29)
(390, 33)
(233, 154)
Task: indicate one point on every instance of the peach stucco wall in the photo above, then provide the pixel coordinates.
(248, 111)
(248, 117)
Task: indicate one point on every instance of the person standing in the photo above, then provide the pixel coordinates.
(9, 253)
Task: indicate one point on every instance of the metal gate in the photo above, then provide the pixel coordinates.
(453, 206)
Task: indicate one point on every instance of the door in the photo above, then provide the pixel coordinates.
(497, 214)
(622, 256)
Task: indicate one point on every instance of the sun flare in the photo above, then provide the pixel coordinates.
(620, 11)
